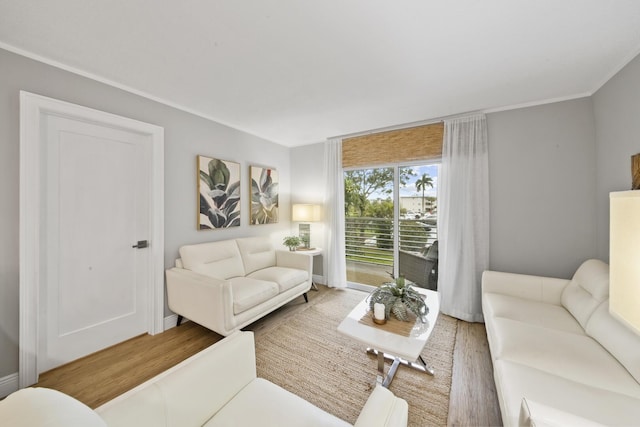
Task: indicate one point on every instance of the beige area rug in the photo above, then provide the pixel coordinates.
(309, 357)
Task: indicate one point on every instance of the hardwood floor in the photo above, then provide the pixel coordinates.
(473, 400)
(100, 377)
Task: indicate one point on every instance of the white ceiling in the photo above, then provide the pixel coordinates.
(296, 72)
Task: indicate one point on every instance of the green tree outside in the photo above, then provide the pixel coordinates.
(422, 183)
(361, 184)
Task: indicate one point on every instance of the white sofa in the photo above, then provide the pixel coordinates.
(229, 284)
(559, 357)
(216, 387)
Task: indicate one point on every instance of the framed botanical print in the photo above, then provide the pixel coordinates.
(264, 195)
(218, 193)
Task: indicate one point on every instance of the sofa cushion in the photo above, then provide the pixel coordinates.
(525, 286)
(535, 414)
(45, 407)
(529, 311)
(587, 289)
(257, 253)
(214, 259)
(248, 292)
(286, 278)
(576, 357)
(262, 403)
(619, 340)
(515, 381)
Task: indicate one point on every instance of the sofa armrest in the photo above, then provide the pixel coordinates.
(535, 414)
(536, 288)
(383, 409)
(191, 392)
(205, 300)
(293, 259)
(38, 406)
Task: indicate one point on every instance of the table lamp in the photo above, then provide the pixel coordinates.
(624, 258)
(305, 213)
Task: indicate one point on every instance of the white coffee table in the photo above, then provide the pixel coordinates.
(400, 349)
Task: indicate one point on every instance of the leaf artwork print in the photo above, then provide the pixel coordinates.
(219, 193)
(264, 196)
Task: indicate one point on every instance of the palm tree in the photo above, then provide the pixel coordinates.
(422, 184)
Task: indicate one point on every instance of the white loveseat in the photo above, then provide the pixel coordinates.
(559, 357)
(216, 387)
(229, 284)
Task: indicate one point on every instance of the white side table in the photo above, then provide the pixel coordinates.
(312, 252)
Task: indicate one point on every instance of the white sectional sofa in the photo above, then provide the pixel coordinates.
(559, 357)
(229, 284)
(216, 387)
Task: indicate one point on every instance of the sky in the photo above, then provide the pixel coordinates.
(409, 189)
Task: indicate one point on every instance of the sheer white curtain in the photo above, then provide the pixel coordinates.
(463, 217)
(334, 264)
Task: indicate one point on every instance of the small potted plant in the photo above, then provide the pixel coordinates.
(304, 239)
(399, 298)
(292, 242)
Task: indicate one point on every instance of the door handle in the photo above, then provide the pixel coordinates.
(141, 244)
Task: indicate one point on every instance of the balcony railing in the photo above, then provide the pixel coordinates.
(369, 245)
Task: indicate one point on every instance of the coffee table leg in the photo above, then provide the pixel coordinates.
(392, 372)
(427, 369)
(386, 380)
(381, 377)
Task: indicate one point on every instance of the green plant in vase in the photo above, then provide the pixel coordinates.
(399, 298)
(292, 242)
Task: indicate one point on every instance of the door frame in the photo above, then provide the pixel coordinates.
(32, 110)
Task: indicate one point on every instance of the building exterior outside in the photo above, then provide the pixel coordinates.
(414, 204)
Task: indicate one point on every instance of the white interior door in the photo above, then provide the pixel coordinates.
(91, 187)
(94, 294)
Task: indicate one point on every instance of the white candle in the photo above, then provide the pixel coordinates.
(378, 311)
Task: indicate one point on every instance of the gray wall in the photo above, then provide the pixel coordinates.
(186, 136)
(308, 186)
(542, 188)
(617, 114)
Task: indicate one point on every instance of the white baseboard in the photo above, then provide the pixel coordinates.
(170, 321)
(8, 385)
(318, 279)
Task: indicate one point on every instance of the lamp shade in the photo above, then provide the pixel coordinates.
(624, 258)
(305, 213)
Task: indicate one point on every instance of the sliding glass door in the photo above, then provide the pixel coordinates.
(390, 224)
(369, 218)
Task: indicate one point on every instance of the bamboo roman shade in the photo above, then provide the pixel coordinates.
(397, 146)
